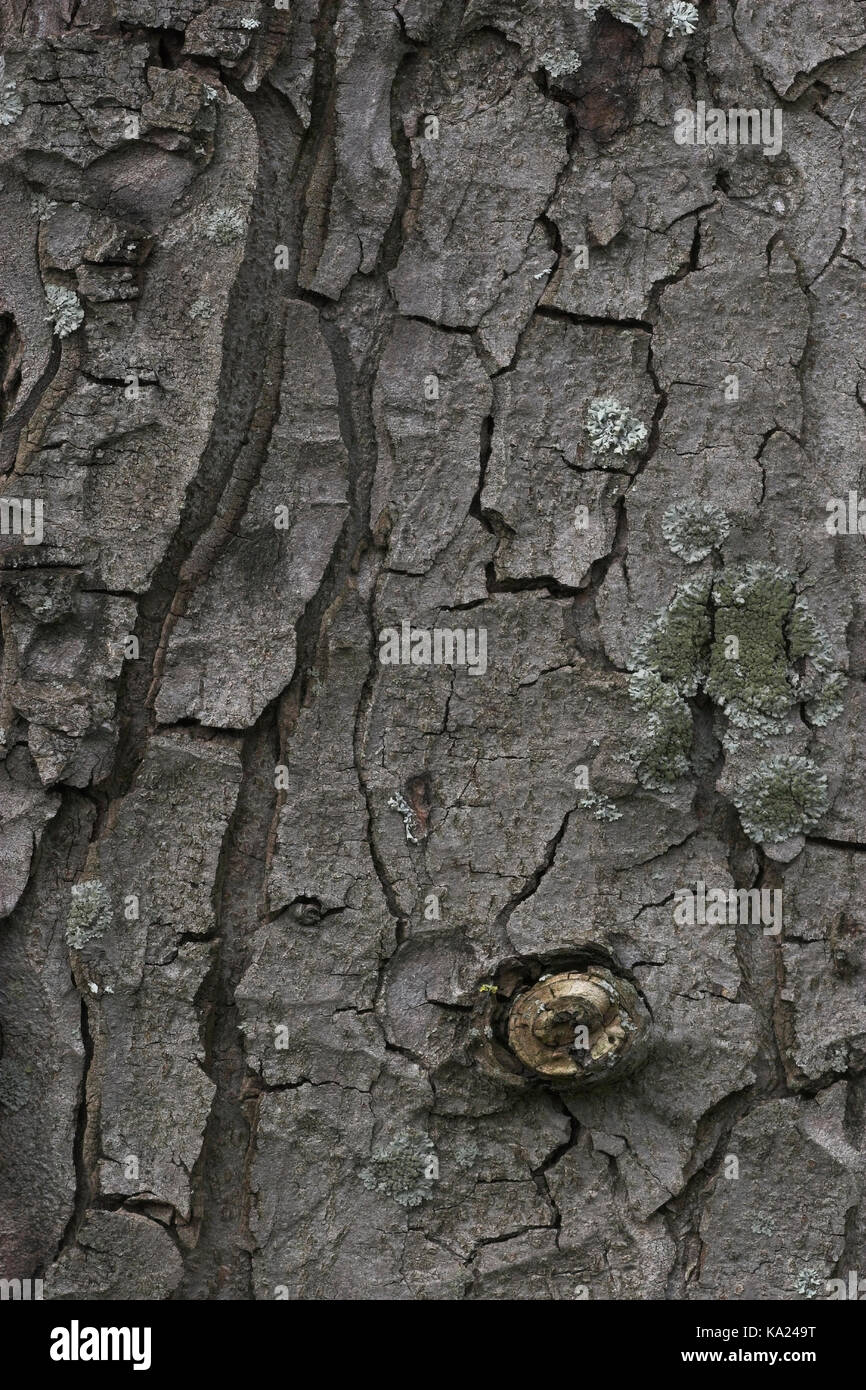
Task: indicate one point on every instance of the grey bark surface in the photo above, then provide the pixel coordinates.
(297, 346)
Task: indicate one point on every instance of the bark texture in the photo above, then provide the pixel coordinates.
(326, 329)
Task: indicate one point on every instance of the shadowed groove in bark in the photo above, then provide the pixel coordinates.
(217, 494)
(219, 1265)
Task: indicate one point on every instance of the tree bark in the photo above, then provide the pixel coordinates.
(432, 608)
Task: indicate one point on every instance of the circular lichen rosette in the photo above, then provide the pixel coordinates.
(402, 1169)
(780, 798)
(693, 530)
(613, 429)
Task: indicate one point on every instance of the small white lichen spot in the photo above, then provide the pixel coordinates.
(612, 428)
(89, 913)
(210, 94)
(64, 307)
(682, 18)
(224, 225)
(559, 62)
(410, 820)
(248, 23)
(11, 105)
(603, 809)
(403, 1170)
(43, 207)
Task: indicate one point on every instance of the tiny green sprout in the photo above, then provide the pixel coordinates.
(488, 989)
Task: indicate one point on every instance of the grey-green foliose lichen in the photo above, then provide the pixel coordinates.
(682, 18)
(694, 529)
(403, 1170)
(612, 428)
(225, 225)
(65, 309)
(601, 806)
(781, 797)
(744, 638)
(89, 913)
(11, 105)
(751, 676)
(560, 61)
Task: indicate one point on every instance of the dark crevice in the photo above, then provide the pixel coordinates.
(220, 1264)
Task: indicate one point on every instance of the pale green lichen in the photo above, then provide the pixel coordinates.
(11, 104)
(682, 18)
(694, 529)
(466, 1153)
(559, 62)
(411, 822)
(612, 428)
(43, 206)
(753, 687)
(89, 913)
(676, 647)
(224, 225)
(817, 683)
(810, 1283)
(746, 640)
(829, 702)
(403, 1170)
(781, 797)
(603, 809)
(664, 753)
(64, 308)
(782, 656)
